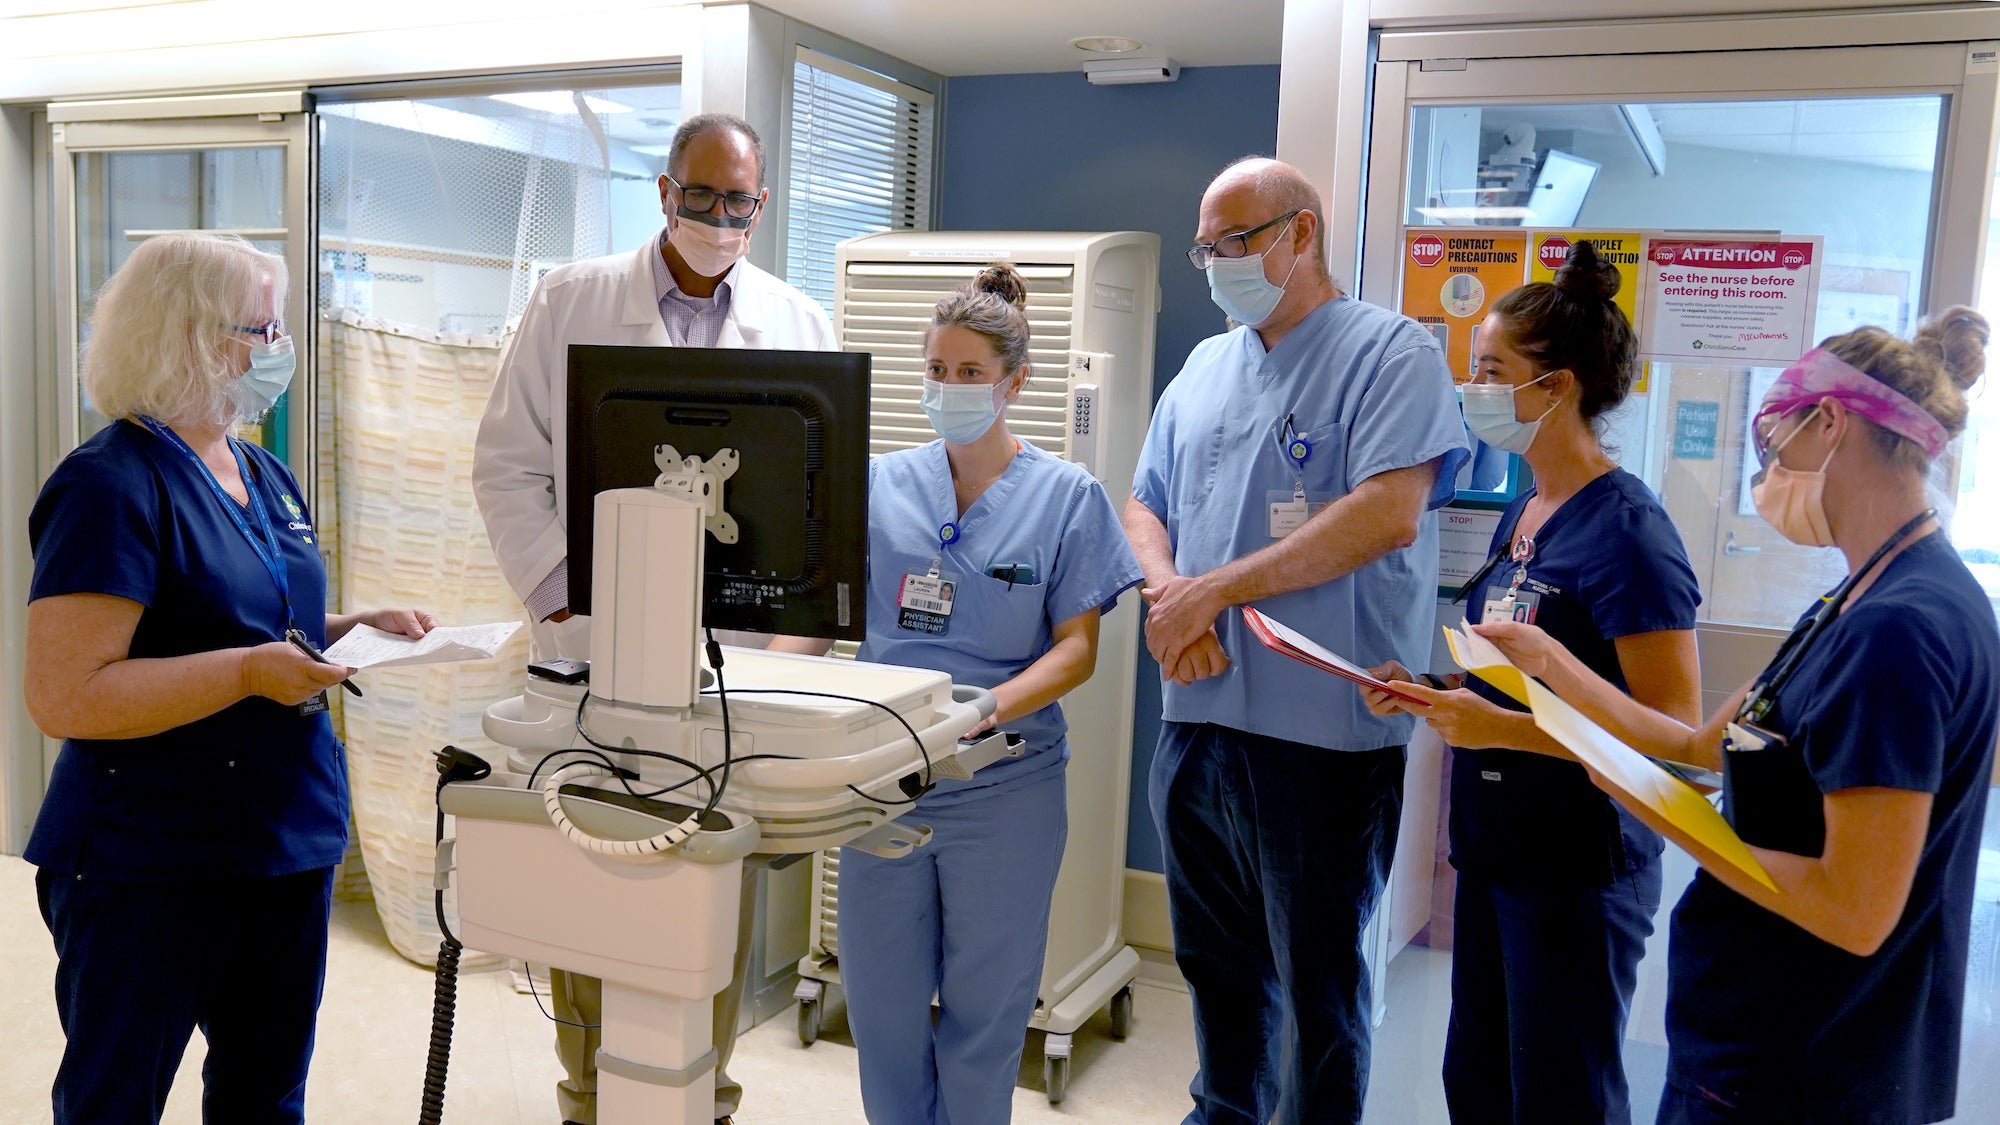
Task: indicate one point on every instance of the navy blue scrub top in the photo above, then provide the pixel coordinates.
(256, 789)
(1900, 692)
(1607, 564)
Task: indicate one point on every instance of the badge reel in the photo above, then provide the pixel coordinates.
(1743, 735)
(1516, 604)
(924, 602)
(1289, 511)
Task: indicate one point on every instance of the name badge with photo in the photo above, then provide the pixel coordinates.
(1289, 511)
(1515, 605)
(924, 603)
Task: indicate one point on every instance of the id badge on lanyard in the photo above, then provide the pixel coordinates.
(264, 540)
(1289, 511)
(924, 601)
(1516, 604)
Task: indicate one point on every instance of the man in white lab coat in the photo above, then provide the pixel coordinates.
(688, 286)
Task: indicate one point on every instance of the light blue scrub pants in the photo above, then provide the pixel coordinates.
(966, 918)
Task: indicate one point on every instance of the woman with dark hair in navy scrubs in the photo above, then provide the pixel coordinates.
(187, 842)
(1856, 766)
(1557, 887)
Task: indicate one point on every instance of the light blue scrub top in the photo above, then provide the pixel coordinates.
(1046, 515)
(1369, 390)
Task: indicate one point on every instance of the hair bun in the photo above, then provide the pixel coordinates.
(1957, 336)
(1586, 275)
(1005, 282)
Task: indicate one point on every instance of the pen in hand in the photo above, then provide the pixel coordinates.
(300, 642)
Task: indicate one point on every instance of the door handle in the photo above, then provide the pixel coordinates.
(1732, 548)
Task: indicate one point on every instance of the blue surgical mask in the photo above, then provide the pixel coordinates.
(961, 412)
(1238, 286)
(258, 389)
(1489, 414)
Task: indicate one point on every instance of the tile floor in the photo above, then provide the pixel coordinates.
(375, 1023)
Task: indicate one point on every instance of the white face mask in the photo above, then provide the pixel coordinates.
(1490, 415)
(708, 249)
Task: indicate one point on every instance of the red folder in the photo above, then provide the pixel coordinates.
(1280, 638)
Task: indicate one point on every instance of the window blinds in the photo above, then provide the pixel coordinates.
(859, 162)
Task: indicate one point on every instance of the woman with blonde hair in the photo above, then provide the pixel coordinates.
(1855, 766)
(187, 841)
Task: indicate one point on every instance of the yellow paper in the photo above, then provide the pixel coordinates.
(1631, 773)
(1478, 656)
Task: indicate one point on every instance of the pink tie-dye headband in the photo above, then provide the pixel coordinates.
(1820, 374)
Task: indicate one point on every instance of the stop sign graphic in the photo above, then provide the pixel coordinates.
(1427, 250)
(1554, 252)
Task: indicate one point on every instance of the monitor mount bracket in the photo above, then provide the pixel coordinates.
(700, 483)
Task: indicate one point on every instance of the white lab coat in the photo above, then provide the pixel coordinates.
(518, 464)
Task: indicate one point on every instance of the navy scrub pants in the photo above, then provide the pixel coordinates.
(1541, 984)
(139, 966)
(1276, 853)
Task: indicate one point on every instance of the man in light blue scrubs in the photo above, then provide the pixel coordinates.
(1292, 465)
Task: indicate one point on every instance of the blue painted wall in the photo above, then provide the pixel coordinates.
(1052, 152)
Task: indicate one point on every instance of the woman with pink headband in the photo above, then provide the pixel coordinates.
(1855, 766)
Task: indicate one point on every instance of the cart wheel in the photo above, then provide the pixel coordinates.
(809, 1015)
(1121, 1013)
(1055, 1075)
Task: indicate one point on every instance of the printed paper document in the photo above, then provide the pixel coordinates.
(367, 647)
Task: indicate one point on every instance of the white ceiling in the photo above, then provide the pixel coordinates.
(953, 37)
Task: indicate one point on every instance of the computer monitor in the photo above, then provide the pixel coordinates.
(799, 496)
(1560, 185)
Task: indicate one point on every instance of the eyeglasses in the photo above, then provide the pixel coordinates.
(1232, 245)
(1761, 432)
(701, 200)
(270, 333)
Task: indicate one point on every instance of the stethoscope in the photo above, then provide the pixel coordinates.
(1763, 697)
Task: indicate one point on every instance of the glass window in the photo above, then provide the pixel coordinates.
(1975, 526)
(1857, 171)
(440, 214)
(124, 197)
(859, 163)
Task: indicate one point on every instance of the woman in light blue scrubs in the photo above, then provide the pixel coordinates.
(991, 560)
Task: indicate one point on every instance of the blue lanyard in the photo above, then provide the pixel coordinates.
(265, 545)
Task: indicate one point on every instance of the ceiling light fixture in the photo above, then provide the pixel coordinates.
(1125, 72)
(1107, 44)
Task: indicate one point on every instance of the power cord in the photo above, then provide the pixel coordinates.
(928, 783)
(453, 764)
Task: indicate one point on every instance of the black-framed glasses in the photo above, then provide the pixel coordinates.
(269, 333)
(701, 200)
(1232, 245)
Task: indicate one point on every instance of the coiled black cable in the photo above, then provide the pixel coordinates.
(453, 764)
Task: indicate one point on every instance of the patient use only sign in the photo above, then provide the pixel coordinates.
(1731, 301)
